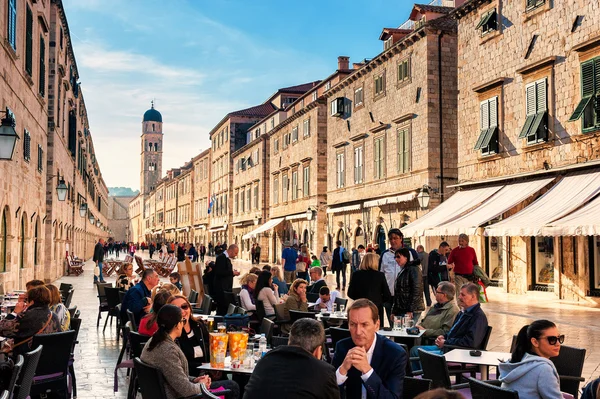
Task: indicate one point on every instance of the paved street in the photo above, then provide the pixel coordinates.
(97, 353)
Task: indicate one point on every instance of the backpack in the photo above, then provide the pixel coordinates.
(346, 256)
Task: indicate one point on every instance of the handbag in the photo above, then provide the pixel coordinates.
(301, 266)
(237, 320)
(10, 349)
(96, 271)
(482, 293)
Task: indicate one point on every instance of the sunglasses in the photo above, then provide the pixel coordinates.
(552, 339)
(185, 306)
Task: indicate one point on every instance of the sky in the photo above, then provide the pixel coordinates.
(200, 59)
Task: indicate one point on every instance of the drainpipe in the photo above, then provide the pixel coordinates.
(441, 116)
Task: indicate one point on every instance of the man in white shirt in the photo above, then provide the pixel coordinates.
(326, 299)
(368, 365)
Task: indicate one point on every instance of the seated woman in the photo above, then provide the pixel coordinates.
(148, 324)
(248, 282)
(278, 280)
(162, 352)
(173, 290)
(56, 306)
(296, 300)
(33, 317)
(194, 342)
(530, 370)
(126, 278)
(264, 292)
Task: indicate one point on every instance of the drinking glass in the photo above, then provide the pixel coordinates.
(334, 308)
(342, 308)
(397, 324)
(210, 324)
(248, 359)
(222, 327)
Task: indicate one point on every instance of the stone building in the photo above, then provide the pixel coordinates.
(118, 217)
(135, 229)
(41, 99)
(528, 138)
(391, 131)
(201, 196)
(184, 204)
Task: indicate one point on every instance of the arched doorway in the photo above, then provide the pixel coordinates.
(306, 239)
(3, 239)
(36, 235)
(359, 237)
(381, 239)
(329, 242)
(341, 236)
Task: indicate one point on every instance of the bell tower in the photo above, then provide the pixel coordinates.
(152, 142)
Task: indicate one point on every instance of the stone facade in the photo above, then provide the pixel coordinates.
(541, 47)
(118, 208)
(201, 193)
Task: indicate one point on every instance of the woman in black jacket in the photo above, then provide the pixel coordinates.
(408, 300)
(368, 282)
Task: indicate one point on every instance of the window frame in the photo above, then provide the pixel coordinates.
(381, 92)
(340, 166)
(306, 127)
(535, 130)
(362, 96)
(359, 164)
(306, 181)
(275, 190)
(294, 185)
(403, 150)
(403, 70)
(488, 121)
(379, 145)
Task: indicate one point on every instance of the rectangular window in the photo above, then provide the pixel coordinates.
(588, 108)
(276, 190)
(535, 129)
(488, 133)
(285, 141)
(294, 134)
(12, 24)
(358, 165)
(284, 188)
(272, 123)
(379, 85)
(306, 127)
(255, 197)
(337, 107)
(314, 96)
(488, 22)
(340, 170)
(40, 159)
(379, 157)
(403, 147)
(358, 97)
(328, 85)
(26, 146)
(29, 41)
(248, 200)
(306, 182)
(403, 71)
(236, 198)
(242, 201)
(532, 4)
(276, 146)
(294, 185)
(42, 77)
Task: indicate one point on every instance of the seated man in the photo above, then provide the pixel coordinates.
(326, 299)
(276, 374)
(316, 276)
(469, 328)
(368, 364)
(441, 316)
(137, 299)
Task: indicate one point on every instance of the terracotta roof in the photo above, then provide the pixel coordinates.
(258, 110)
(445, 23)
(303, 88)
(436, 9)
(387, 32)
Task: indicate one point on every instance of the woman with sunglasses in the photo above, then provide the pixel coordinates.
(530, 371)
(194, 343)
(408, 298)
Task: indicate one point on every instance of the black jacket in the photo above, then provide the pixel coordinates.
(336, 262)
(369, 284)
(200, 338)
(435, 271)
(316, 287)
(180, 254)
(98, 253)
(468, 329)
(409, 289)
(277, 376)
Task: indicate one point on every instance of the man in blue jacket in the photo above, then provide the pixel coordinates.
(367, 364)
(137, 299)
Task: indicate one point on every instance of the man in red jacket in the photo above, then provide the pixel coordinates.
(462, 260)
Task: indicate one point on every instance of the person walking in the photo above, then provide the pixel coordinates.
(325, 259)
(288, 260)
(151, 249)
(202, 252)
(257, 253)
(340, 260)
(99, 260)
(462, 260)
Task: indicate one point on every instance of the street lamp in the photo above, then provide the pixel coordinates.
(256, 219)
(92, 218)
(98, 224)
(83, 209)
(423, 197)
(8, 136)
(62, 190)
(309, 214)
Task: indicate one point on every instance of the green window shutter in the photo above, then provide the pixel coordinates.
(485, 18)
(406, 151)
(587, 89)
(537, 121)
(400, 158)
(12, 24)
(487, 138)
(482, 134)
(485, 115)
(541, 101)
(527, 126)
(42, 72)
(28, 41)
(493, 104)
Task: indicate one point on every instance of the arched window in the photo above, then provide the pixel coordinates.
(3, 240)
(153, 127)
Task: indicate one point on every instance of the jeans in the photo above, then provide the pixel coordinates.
(426, 291)
(337, 276)
(414, 352)
(99, 277)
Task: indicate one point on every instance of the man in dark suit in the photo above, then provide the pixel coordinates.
(99, 259)
(338, 264)
(469, 328)
(368, 364)
(316, 275)
(223, 278)
(276, 375)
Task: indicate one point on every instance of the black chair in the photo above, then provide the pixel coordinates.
(483, 390)
(278, 341)
(338, 334)
(65, 287)
(23, 386)
(297, 315)
(230, 297)
(54, 362)
(240, 310)
(15, 374)
(413, 387)
(127, 363)
(131, 318)
(112, 299)
(236, 290)
(341, 301)
(193, 296)
(569, 364)
(67, 300)
(103, 305)
(72, 311)
(435, 369)
(206, 304)
(231, 309)
(75, 326)
(136, 345)
(266, 327)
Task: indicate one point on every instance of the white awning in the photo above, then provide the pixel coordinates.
(347, 208)
(220, 228)
(261, 229)
(395, 199)
(583, 222)
(450, 209)
(200, 226)
(505, 199)
(296, 216)
(566, 196)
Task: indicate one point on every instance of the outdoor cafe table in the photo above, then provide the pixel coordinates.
(484, 361)
(227, 368)
(401, 336)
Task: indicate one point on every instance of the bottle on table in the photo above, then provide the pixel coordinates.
(262, 345)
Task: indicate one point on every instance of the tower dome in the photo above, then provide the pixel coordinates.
(152, 115)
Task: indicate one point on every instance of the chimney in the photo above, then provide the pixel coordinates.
(343, 63)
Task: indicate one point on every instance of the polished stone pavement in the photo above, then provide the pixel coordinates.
(96, 355)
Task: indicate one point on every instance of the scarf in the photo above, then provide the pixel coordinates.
(250, 291)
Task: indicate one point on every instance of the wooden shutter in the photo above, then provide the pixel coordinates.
(12, 23)
(541, 97)
(485, 115)
(29, 41)
(376, 157)
(587, 88)
(530, 106)
(42, 72)
(493, 106)
(27, 146)
(406, 153)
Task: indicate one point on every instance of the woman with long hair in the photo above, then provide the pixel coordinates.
(530, 370)
(57, 307)
(247, 297)
(368, 282)
(162, 352)
(126, 278)
(303, 263)
(264, 292)
(278, 280)
(148, 325)
(296, 300)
